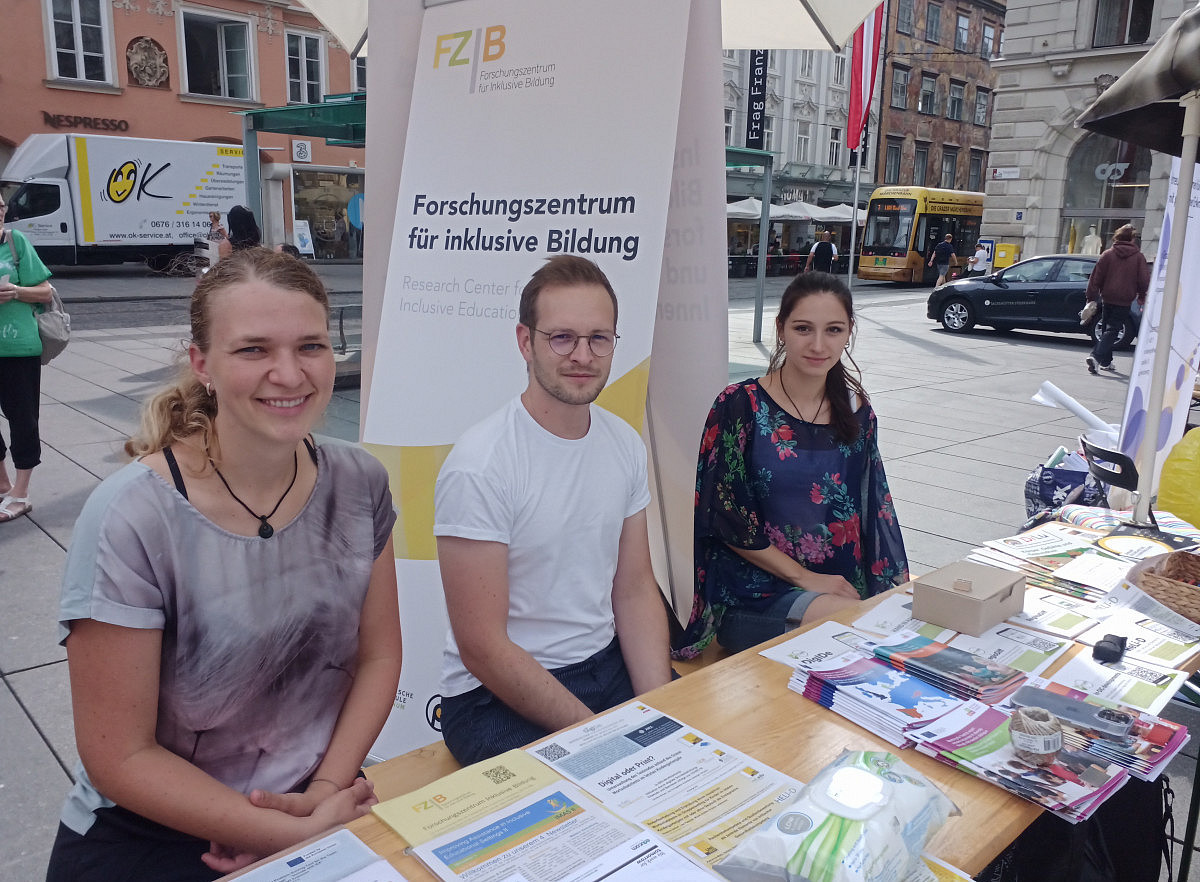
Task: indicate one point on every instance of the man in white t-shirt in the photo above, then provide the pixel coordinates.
(542, 539)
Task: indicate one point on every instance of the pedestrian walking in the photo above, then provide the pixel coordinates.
(1121, 276)
(822, 255)
(943, 253)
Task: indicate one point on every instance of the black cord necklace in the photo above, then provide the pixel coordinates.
(799, 412)
(265, 530)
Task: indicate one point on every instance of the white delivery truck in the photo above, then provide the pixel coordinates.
(91, 199)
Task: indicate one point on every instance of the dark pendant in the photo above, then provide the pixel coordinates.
(265, 530)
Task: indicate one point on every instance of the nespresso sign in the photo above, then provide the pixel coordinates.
(96, 123)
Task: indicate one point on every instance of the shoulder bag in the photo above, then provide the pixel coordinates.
(54, 324)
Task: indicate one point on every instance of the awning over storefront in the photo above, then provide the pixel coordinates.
(339, 119)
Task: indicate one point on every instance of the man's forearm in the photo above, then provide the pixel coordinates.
(641, 622)
(520, 682)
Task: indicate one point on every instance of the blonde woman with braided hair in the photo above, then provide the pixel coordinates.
(229, 603)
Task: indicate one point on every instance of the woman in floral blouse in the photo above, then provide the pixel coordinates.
(794, 520)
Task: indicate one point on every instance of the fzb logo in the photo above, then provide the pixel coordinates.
(456, 48)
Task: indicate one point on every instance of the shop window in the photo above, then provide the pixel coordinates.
(1122, 22)
(904, 16)
(920, 165)
(954, 107)
(928, 100)
(322, 198)
(933, 23)
(1107, 174)
(891, 165)
(962, 32)
(949, 167)
(216, 56)
(304, 69)
(900, 88)
(81, 32)
(988, 43)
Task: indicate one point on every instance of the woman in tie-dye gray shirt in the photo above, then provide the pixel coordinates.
(229, 604)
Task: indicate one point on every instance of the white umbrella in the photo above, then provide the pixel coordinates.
(795, 211)
(746, 209)
(745, 24)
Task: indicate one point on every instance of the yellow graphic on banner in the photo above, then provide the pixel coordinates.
(413, 471)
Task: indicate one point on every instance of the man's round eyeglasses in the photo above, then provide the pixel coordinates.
(564, 342)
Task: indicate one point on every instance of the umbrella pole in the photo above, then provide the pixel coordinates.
(764, 230)
(1148, 450)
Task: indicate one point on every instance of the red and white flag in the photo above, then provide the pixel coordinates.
(864, 59)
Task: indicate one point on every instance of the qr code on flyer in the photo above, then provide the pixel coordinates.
(499, 774)
(552, 752)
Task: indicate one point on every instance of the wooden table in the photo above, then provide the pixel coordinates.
(744, 701)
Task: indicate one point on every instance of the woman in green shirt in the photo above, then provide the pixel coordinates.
(23, 286)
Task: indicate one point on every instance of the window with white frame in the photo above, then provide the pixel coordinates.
(803, 141)
(304, 68)
(949, 167)
(928, 100)
(904, 16)
(982, 99)
(900, 88)
(920, 164)
(839, 70)
(728, 126)
(891, 163)
(81, 31)
(962, 32)
(988, 43)
(954, 107)
(933, 23)
(217, 56)
(360, 74)
(730, 54)
(806, 63)
(835, 146)
(768, 132)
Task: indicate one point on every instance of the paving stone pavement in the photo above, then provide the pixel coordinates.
(958, 434)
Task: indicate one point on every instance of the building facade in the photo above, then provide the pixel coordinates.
(1051, 186)
(937, 92)
(807, 102)
(178, 70)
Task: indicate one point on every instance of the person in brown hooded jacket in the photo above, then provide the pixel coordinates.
(1121, 276)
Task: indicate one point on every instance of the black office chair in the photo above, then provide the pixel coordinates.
(1113, 468)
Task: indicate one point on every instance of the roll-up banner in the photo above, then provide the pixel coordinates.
(537, 128)
(1185, 339)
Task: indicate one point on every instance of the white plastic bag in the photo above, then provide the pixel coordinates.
(864, 818)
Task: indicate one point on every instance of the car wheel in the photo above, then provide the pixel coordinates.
(957, 316)
(1124, 335)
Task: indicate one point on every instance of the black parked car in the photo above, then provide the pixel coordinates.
(1040, 294)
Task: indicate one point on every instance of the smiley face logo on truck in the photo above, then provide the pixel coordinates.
(121, 181)
(129, 178)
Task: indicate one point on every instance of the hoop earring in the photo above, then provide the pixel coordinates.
(208, 387)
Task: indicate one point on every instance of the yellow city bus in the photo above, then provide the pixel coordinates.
(903, 225)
